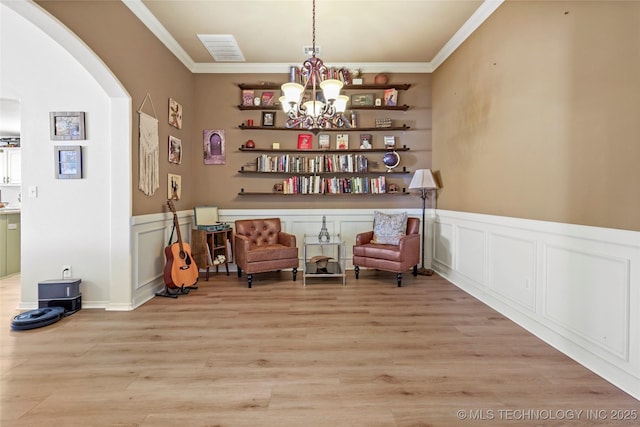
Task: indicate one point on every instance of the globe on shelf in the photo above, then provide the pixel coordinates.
(391, 160)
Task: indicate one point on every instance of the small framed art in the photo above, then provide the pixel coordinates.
(68, 162)
(67, 125)
(214, 147)
(175, 150)
(362, 99)
(174, 186)
(268, 118)
(175, 113)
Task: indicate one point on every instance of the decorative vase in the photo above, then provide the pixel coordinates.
(381, 79)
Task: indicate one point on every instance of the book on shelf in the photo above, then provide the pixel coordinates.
(390, 97)
(247, 97)
(266, 99)
(305, 141)
(324, 141)
(342, 141)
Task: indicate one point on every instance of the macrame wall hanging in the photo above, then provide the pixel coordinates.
(149, 180)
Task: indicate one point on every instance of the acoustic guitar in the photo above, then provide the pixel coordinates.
(180, 269)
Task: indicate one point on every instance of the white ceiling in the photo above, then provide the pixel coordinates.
(372, 35)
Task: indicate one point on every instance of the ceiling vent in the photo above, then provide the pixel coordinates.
(223, 47)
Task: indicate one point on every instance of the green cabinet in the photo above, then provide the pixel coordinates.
(9, 243)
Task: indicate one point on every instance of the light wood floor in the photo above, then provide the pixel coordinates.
(368, 354)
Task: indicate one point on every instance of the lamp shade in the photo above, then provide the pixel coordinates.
(422, 178)
(331, 89)
(286, 105)
(292, 92)
(313, 108)
(341, 103)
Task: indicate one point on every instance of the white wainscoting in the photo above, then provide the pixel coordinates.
(150, 234)
(576, 287)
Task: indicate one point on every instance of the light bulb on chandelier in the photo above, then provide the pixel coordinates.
(314, 114)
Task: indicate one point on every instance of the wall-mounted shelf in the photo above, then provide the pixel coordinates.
(253, 193)
(354, 150)
(274, 86)
(402, 172)
(341, 130)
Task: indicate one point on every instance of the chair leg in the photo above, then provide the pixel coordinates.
(415, 270)
(399, 279)
(295, 273)
(249, 279)
(239, 272)
(356, 269)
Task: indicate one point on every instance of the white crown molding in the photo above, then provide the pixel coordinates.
(147, 18)
(152, 23)
(480, 15)
(265, 68)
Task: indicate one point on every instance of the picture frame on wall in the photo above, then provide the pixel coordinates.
(68, 162)
(67, 125)
(214, 147)
(175, 150)
(268, 118)
(175, 113)
(174, 186)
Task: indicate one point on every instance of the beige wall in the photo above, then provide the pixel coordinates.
(143, 64)
(537, 115)
(216, 108)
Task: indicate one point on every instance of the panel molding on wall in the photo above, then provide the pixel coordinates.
(575, 287)
(151, 232)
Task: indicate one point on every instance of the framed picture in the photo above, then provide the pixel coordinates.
(389, 142)
(342, 141)
(305, 141)
(175, 150)
(214, 147)
(268, 118)
(362, 99)
(324, 141)
(391, 97)
(267, 99)
(68, 162)
(175, 113)
(174, 186)
(247, 97)
(67, 125)
(366, 140)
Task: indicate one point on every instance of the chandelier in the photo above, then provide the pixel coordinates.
(314, 114)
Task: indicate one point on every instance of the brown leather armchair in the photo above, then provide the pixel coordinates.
(261, 245)
(396, 258)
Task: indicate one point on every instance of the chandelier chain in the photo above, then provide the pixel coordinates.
(313, 25)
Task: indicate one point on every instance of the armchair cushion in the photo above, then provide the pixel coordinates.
(389, 228)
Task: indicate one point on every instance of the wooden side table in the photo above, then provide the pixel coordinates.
(217, 243)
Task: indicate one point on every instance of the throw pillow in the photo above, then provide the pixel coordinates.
(389, 228)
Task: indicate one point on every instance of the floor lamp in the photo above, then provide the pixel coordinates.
(423, 180)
